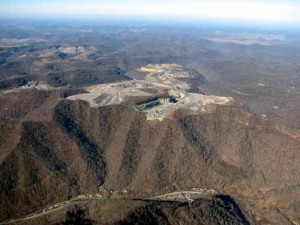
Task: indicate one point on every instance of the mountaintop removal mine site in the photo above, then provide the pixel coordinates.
(165, 80)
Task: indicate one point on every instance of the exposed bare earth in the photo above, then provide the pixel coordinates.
(164, 79)
(246, 38)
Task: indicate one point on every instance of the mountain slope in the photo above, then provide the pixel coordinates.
(66, 148)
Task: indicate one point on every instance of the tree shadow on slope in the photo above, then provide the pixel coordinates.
(77, 216)
(218, 210)
(89, 150)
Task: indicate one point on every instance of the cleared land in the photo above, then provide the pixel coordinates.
(246, 38)
(163, 79)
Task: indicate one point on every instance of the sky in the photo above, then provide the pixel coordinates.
(275, 11)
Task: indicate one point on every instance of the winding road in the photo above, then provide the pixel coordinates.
(179, 196)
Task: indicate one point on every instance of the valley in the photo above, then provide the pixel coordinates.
(179, 196)
(149, 113)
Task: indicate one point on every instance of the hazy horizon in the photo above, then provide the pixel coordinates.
(277, 13)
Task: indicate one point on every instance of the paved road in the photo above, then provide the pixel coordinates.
(53, 208)
(180, 196)
(183, 196)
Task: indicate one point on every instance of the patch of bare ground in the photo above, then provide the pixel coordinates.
(161, 78)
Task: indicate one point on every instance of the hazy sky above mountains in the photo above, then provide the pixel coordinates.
(285, 11)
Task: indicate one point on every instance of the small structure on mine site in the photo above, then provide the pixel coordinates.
(164, 100)
(102, 189)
